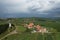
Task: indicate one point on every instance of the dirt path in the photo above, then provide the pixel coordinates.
(13, 32)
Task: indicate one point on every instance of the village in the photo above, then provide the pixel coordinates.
(35, 28)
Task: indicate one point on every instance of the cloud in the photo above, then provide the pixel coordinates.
(37, 7)
(18, 6)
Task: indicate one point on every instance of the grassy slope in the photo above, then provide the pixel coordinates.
(44, 22)
(35, 36)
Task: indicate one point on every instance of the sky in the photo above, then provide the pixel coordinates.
(29, 8)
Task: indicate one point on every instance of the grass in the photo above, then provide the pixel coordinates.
(52, 25)
(35, 36)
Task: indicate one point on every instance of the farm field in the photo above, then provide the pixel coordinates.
(35, 36)
(53, 25)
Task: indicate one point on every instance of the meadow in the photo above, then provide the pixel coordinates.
(53, 25)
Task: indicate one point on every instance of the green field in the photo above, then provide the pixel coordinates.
(35, 36)
(52, 24)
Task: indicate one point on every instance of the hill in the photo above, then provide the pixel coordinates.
(52, 25)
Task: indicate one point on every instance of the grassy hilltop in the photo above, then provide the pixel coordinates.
(52, 24)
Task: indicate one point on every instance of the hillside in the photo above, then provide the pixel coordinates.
(52, 25)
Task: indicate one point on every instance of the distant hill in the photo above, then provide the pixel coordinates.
(22, 15)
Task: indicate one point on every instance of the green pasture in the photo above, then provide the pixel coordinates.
(51, 25)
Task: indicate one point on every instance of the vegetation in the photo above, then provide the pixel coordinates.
(53, 25)
(34, 36)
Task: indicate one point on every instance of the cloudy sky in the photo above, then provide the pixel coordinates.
(26, 8)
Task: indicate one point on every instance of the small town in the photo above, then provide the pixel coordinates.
(36, 28)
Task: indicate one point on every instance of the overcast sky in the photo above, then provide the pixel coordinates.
(11, 8)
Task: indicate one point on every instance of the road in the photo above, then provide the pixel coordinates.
(13, 32)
